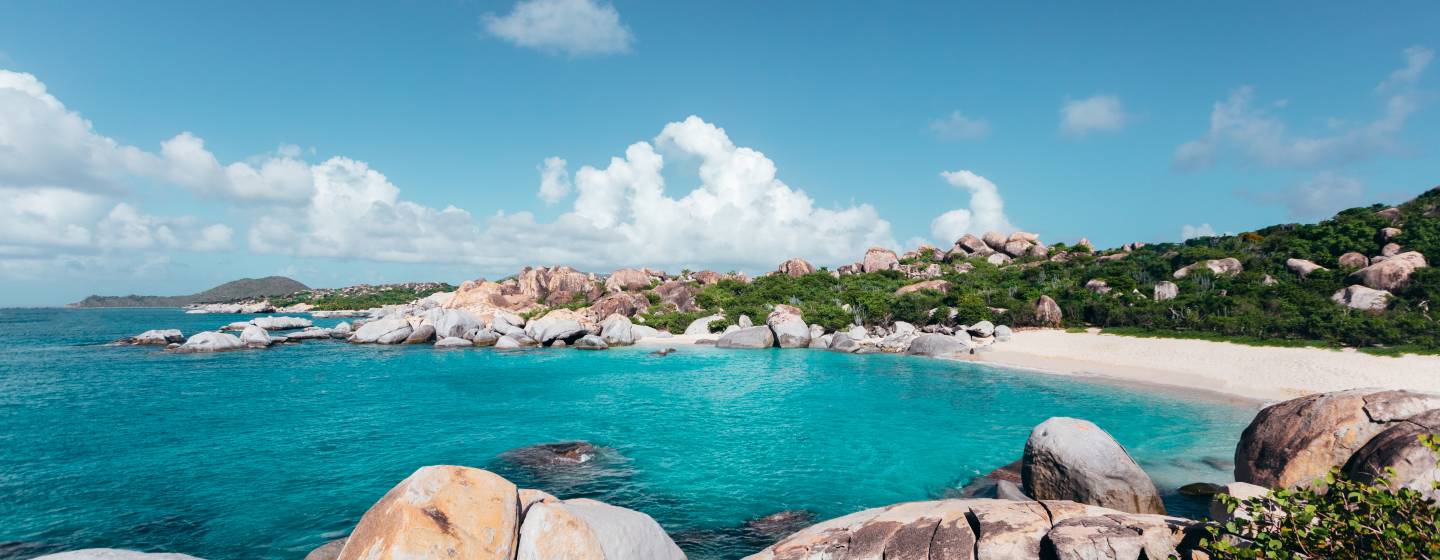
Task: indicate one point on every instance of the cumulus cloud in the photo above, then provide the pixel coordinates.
(958, 126)
(1255, 135)
(1079, 117)
(573, 27)
(985, 213)
(554, 180)
(740, 214)
(1188, 231)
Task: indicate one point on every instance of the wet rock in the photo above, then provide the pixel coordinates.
(1072, 459)
(546, 455)
(114, 554)
(453, 342)
(779, 524)
(1297, 441)
(591, 342)
(328, 551)
(663, 352)
(421, 334)
(1201, 489)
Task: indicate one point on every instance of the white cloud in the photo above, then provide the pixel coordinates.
(554, 180)
(214, 237)
(277, 179)
(1188, 231)
(985, 213)
(573, 27)
(958, 126)
(740, 214)
(1093, 114)
(1256, 136)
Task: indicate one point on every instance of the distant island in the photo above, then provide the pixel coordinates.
(242, 289)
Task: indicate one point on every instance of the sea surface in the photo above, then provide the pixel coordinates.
(269, 453)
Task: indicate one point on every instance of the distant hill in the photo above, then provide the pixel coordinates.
(245, 288)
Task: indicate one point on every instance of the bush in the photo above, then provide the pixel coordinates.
(1347, 519)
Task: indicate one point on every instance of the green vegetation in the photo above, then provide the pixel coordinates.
(363, 296)
(1266, 304)
(673, 322)
(1342, 519)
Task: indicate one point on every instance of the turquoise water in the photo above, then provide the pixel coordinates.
(269, 453)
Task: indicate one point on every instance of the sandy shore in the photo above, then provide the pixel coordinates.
(1248, 372)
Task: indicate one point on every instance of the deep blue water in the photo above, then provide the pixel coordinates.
(269, 453)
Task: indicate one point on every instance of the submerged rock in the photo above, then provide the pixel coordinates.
(552, 454)
(779, 524)
(453, 342)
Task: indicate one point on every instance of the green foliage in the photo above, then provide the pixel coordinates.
(363, 297)
(1335, 518)
(672, 322)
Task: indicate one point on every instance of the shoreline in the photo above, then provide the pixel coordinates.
(1235, 371)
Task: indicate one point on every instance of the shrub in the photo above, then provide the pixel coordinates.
(1340, 519)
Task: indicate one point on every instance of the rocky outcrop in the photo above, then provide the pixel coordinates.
(879, 258)
(210, 341)
(1399, 448)
(1302, 267)
(789, 327)
(391, 330)
(1354, 260)
(1072, 459)
(795, 267)
(628, 280)
(1047, 312)
(453, 323)
(619, 303)
(937, 285)
(453, 342)
(1299, 440)
(751, 337)
(1166, 290)
(1097, 286)
(1220, 267)
(969, 245)
(440, 512)
(1391, 273)
(998, 259)
(677, 296)
(988, 530)
(617, 330)
(156, 336)
(421, 334)
(1362, 298)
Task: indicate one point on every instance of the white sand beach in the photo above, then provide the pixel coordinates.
(1249, 372)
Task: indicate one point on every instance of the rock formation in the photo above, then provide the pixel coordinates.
(1220, 267)
(1362, 298)
(789, 327)
(795, 267)
(879, 258)
(1071, 459)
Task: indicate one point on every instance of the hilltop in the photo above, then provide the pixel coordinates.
(242, 289)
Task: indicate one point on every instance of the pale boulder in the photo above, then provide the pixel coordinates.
(995, 240)
(752, 337)
(1362, 298)
(558, 325)
(628, 279)
(453, 342)
(938, 346)
(1166, 290)
(114, 554)
(1302, 266)
(937, 285)
(583, 529)
(440, 512)
(1391, 273)
(255, 337)
(591, 342)
(281, 323)
(391, 330)
(210, 341)
(158, 336)
(998, 259)
(701, 326)
(1353, 260)
(1047, 312)
(1220, 267)
(789, 326)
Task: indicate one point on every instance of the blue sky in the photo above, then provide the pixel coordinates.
(227, 140)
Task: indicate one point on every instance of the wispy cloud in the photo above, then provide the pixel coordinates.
(1254, 135)
(958, 126)
(1093, 114)
(571, 27)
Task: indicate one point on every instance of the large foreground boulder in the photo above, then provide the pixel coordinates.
(1399, 448)
(454, 323)
(980, 529)
(440, 512)
(1297, 441)
(255, 337)
(211, 341)
(790, 328)
(751, 337)
(1072, 459)
(583, 529)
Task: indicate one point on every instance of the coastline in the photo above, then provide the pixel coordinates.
(1251, 373)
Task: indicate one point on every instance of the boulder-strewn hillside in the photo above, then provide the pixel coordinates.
(245, 288)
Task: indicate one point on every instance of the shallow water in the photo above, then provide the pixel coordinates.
(269, 453)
